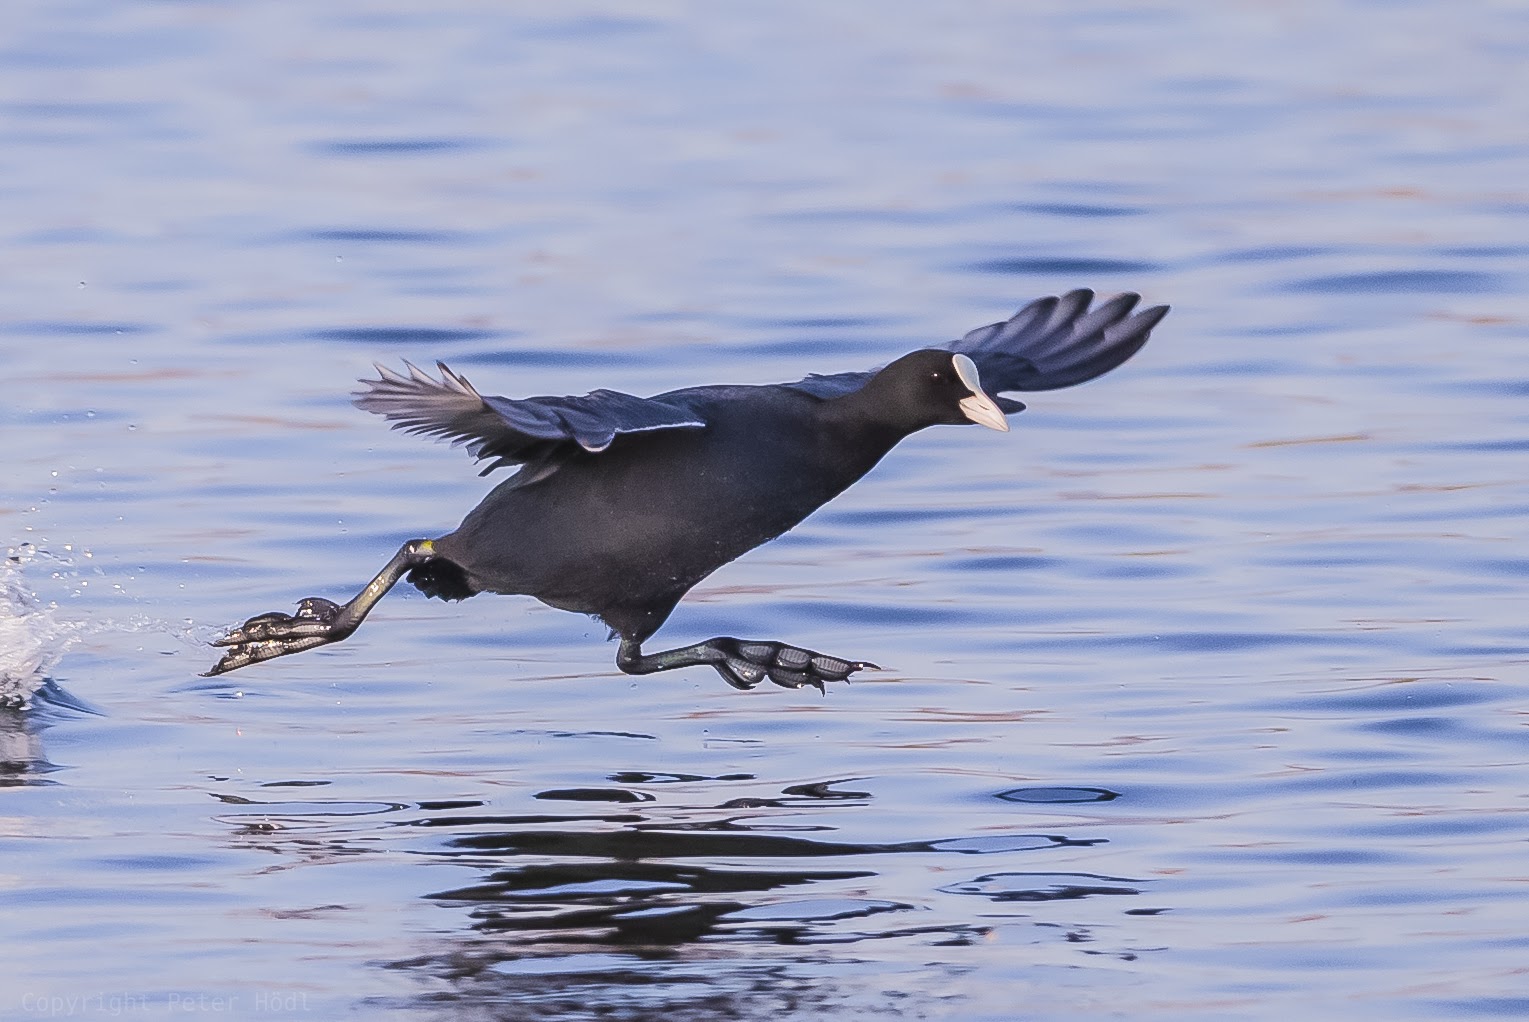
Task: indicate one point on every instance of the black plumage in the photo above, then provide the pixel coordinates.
(621, 504)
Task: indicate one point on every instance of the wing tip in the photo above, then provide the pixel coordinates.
(1062, 340)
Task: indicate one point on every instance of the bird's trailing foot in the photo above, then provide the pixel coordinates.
(267, 636)
(744, 663)
(318, 621)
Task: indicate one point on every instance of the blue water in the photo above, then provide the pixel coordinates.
(1204, 689)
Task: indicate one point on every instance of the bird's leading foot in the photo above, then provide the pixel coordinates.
(318, 621)
(267, 636)
(745, 663)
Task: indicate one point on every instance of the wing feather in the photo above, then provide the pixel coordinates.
(1051, 343)
(1057, 342)
(513, 431)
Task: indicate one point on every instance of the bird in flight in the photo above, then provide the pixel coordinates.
(621, 504)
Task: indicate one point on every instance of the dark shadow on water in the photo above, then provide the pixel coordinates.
(1080, 265)
(393, 147)
(1058, 796)
(397, 335)
(593, 795)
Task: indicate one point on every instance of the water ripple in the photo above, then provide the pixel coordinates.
(1381, 282)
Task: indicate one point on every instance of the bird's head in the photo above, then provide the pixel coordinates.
(934, 387)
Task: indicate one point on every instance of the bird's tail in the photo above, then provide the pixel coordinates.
(442, 579)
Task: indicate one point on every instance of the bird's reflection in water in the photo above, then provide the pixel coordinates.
(727, 908)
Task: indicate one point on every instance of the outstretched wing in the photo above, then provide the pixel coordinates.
(1057, 342)
(1051, 343)
(513, 431)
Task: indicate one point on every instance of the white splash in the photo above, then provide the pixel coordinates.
(33, 636)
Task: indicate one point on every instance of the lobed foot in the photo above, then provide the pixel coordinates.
(745, 664)
(268, 636)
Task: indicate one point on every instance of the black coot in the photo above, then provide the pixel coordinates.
(621, 504)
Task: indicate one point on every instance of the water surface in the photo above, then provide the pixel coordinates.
(1204, 688)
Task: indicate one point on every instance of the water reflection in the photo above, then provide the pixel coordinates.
(624, 910)
(23, 760)
(1044, 886)
(640, 910)
(21, 755)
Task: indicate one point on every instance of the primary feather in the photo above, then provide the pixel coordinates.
(512, 431)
